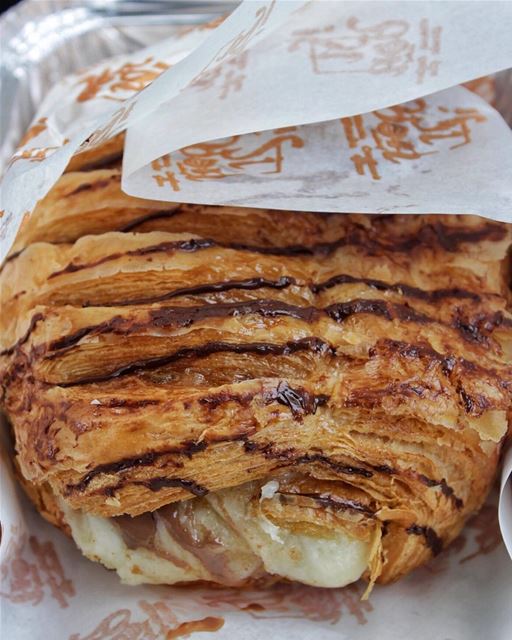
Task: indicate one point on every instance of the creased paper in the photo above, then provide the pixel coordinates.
(328, 60)
(449, 152)
(114, 99)
(75, 108)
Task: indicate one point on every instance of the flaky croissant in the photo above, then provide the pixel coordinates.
(240, 395)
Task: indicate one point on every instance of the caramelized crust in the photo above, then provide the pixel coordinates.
(155, 352)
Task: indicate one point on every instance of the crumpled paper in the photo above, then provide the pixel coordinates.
(426, 155)
(328, 61)
(449, 152)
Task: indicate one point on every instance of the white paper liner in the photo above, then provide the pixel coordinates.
(453, 153)
(329, 60)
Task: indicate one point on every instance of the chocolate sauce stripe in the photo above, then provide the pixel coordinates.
(284, 282)
(191, 449)
(13, 256)
(447, 362)
(298, 400)
(130, 226)
(288, 456)
(470, 333)
(161, 214)
(94, 186)
(36, 318)
(250, 284)
(103, 163)
(333, 502)
(432, 540)
(144, 460)
(433, 295)
(189, 246)
(162, 482)
(445, 238)
(316, 345)
(286, 396)
(185, 316)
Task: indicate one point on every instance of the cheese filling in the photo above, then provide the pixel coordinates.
(219, 539)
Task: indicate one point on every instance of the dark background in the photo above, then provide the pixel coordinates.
(8, 3)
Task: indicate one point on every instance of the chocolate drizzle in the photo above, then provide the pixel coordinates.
(156, 484)
(334, 502)
(13, 256)
(94, 186)
(37, 317)
(306, 403)
(189, 246)
(423, 351)
(119, 466)
(446, 490)
(72, 339)
(300, 401)
(449, 239)
(432, 540)
(413, 292)
(185, 316)
(148, 217)
(261, 348)
(248, 284)
(336, 466)
(340, 311)
(290, 456)
(126, 403)
(110, 161)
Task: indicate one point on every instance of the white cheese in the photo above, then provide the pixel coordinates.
(333, 561)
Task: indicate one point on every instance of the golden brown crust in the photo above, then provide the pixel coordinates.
(44, 500)
(105, 153)
(152, 353)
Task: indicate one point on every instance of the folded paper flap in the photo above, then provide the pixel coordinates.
(405, 159)
(328, 60)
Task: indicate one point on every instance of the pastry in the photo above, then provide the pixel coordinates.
(240, 396)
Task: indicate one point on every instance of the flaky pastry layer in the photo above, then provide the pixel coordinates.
(155, 352)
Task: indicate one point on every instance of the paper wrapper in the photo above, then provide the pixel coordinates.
(331, 62)
(319, 132)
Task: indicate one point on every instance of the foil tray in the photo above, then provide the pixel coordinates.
(44, 40)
